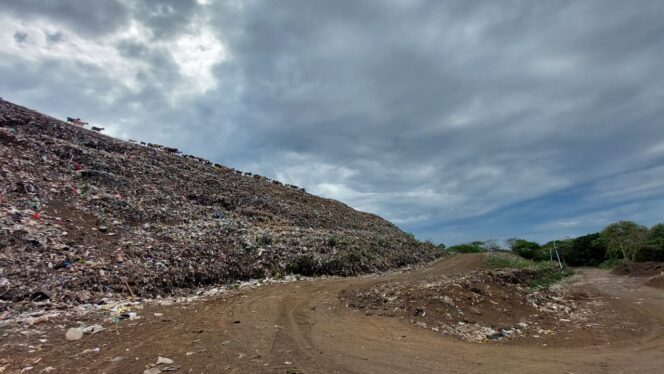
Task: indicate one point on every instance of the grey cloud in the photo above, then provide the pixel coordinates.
(87, 17)
(20, 37)
(427, 112)
(526, 92)
(55, 37)
(162, 71)
(165, 18)
(132, 49)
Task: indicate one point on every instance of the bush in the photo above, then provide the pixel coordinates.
(507, 261)
(650, 252)
(548, 277)
(654, 249)
(526, 249)
(610, 263)
(586, 250)
(466, 248)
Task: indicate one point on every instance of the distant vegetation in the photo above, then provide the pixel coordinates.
(623, 241)
(541, 275)
(508, 261)
(467, 248)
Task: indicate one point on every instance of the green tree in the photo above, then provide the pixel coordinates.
(524, 248)
(624, 239)
(656, 235)
(654, 249)
(586, 250)
(548, 250)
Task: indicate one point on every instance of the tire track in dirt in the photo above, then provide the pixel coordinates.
(312, 320)
(302, 327)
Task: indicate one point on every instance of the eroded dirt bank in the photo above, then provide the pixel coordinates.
(305, 327)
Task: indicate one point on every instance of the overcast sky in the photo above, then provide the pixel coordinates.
(456, 120)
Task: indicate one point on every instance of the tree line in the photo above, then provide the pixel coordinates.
(621, 241)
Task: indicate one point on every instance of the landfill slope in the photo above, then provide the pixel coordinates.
(84, 215)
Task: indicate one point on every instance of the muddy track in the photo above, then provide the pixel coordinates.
(302, 327)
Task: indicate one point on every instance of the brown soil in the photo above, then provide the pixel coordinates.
(480, 305)
(639, 269)
(656, 281)
(304, 327)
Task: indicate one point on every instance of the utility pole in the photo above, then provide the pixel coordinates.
(557, 254)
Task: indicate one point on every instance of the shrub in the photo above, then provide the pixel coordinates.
(524, 248)
(610, 263)
(466, 248)
(507, 261)
(548, 277)
(654, 250)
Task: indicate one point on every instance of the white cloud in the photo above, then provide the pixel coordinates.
(195, 53)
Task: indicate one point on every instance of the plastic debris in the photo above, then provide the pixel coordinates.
(164, 360)
(120, 219)
(74, 333)
(463, 305)
(93, 329)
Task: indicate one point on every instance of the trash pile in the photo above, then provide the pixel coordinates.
(84, 216)
(478, 306)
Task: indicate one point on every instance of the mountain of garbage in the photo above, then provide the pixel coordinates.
(84, 215)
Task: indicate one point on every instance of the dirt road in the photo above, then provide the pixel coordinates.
(303, 327)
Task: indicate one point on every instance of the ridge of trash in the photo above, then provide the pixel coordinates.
(84, 217)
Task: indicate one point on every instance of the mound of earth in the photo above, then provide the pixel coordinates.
(656, 281)
(639, 269)
(480, 305)
(84, 216)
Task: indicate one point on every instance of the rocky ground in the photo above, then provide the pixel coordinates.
(480, 305)
(591, 322)
(85, 217)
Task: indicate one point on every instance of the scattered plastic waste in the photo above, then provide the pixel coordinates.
(164, 360)
(74, 333)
